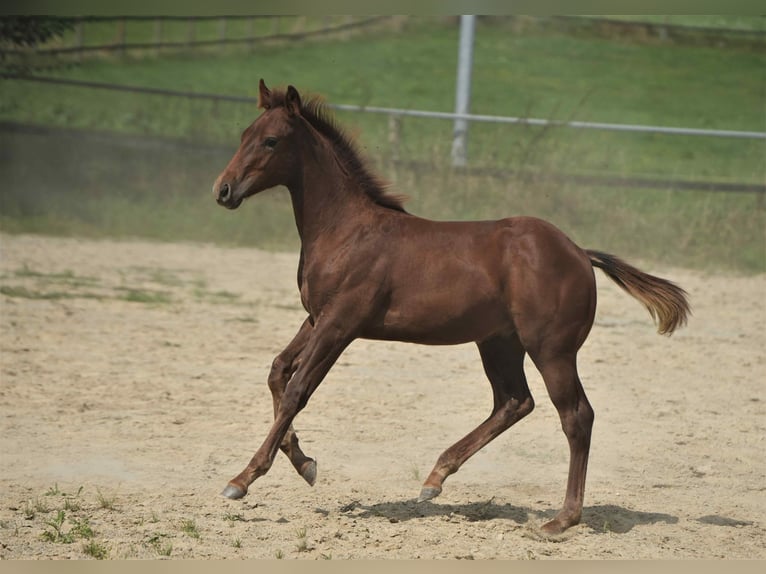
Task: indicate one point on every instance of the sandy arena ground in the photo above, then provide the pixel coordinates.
(134, 386)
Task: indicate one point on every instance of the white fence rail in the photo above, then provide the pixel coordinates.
(543, 122)
(397, 112)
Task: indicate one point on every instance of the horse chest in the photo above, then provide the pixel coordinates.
(335, 281)
(316, 287)
(304, 290)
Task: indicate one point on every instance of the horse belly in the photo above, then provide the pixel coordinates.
(449, 315)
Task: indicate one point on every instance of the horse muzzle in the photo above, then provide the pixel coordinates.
(225, 196)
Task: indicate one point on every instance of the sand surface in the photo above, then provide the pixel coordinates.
(133, 387)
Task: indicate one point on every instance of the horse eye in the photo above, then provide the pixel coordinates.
(270, 143)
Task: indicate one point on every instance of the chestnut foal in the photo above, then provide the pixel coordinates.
(368, 269)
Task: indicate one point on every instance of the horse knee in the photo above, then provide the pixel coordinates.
(279, 373)
(514, 410)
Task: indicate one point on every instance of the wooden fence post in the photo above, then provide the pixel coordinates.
(347, 20)
(158, 34)
(121, 36)
(394, 135)
(190, 33)
(78, 39)
(222, 32)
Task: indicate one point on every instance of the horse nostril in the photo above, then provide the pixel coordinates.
(224, 192)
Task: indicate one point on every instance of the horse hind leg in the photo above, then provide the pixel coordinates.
(503, 361)
(576, 414)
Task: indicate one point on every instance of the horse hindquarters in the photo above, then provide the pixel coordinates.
(553, 302)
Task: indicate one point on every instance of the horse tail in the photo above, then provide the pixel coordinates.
(667, 302)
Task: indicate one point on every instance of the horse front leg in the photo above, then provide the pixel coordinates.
(324, 346)
(282, 369)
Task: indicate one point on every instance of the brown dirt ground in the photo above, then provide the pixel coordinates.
(133, 387)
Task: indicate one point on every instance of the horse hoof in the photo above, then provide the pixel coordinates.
(429, 492)
(309, 472)
(233, 491)
(554, 527)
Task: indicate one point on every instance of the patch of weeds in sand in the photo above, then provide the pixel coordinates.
(231, 518)
(53, 490)
(69, 522)
(302, 545)
(161, 276)
(106, 502)
(146, 296)
(24, 293)
(165, 549)
(81, 528)
(48, 286)
(160, 547)
(29, 511)
(95, 550)
(189, 527)
(222, 296)
(65, 277)
(72, 503)
(41, 506)
(55, 531)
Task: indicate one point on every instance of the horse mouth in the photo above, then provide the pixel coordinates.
(231, 202)
(229, 198)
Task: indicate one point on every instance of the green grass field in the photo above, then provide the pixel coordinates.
(728, 21)
(517, 71)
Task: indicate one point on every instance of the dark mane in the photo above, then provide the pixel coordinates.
(316, 113)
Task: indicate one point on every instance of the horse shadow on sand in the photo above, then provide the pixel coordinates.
(600, 519)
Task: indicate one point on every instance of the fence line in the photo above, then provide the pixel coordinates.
(189, 42)
(659, 29)
(397, 112)
(577, 19)
(555, 123)
(155, 142)
(140, 18)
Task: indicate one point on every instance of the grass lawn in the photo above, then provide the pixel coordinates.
(519, 72)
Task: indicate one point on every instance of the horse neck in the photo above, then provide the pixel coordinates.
(326, 199)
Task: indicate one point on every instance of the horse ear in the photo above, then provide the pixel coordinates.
(264, 95)
(293, 101)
